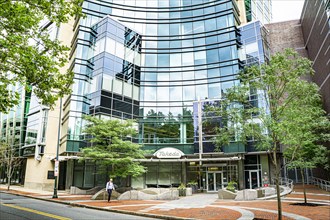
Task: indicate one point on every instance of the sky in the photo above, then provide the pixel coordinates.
(284, 10)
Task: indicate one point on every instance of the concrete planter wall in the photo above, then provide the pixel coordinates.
(226, 194)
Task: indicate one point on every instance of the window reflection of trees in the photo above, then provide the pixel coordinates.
(160, 128)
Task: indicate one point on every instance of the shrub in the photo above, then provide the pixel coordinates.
(231, 186)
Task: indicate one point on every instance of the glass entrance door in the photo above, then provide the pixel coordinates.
(254, 179)
(214, 181)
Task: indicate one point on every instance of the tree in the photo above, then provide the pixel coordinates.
(304, 150)
(264, 110)
(9, 160)
(111, 146)
(28, 55)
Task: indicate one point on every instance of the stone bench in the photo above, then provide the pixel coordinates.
(148, 194)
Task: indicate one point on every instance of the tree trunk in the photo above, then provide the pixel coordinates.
(278, 192)
(9, 174)
(303, 182)
(8, 185)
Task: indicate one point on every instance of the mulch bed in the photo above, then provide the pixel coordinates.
(306, 204)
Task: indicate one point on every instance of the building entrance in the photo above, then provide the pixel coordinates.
(253, 179)
(214, 181)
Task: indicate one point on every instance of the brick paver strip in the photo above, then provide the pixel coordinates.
(207, 213)
(268, 215)
(245, 213)
(290, 215)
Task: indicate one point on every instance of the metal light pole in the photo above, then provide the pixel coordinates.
(57, 151)
(200, 140)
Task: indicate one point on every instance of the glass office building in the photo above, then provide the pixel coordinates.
(150, 60)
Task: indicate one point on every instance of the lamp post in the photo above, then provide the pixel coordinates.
(57, 151)
(200, 141)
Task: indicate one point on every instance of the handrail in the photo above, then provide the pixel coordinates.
(284, 182)
(321, 183)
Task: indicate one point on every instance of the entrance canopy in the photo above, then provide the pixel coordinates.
(190, 159)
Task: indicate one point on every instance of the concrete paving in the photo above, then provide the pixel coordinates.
(198, 206)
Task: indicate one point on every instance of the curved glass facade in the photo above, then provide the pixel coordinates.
(189, 49)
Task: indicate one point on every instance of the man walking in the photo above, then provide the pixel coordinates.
(109, 187)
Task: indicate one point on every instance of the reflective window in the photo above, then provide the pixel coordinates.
(197, 12)
(150, 93)
(151, 29)
(150, 76)
(225, 53)
(175, 59)
(187, 43)
(199, 41)
(162, 93)
(198, 26)
(163, 29)
(176, 93)
(187, 59)
(225, 71)
(222, 22)
(163, 44)
(202, 91)
(151, 60)
(210, 25)
(175, 3)
(163, 60)
(214, 90)
(175, 44)
(175, 29)
(186, 28)
(211, 40)
(200, 57)
(188, 92)
(212, 56)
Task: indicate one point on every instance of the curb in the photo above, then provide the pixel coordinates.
(101, 209)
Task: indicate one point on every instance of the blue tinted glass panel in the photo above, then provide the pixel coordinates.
(212, 56)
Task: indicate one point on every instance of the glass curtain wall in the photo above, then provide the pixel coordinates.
(259, 10)
(189, 50)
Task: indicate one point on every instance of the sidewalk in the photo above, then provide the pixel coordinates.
(199, 206)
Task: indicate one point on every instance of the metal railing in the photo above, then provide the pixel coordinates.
(321, 183)
(284, 182)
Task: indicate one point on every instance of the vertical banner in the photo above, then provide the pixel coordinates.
(56, 168)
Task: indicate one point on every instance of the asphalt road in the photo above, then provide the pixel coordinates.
(14, 207)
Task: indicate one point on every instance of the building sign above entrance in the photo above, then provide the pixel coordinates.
(168, 152)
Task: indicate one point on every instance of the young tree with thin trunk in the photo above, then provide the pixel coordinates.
(270, 100)
(9, 161)
(303, 148)
(111, 146)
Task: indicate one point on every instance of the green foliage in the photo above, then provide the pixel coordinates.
(182, 186)
(182, 189)
(111, 146)
(231, 186)
(28, 55)
(292, 112)
(192, 183)
(9, 160)
(290, 119)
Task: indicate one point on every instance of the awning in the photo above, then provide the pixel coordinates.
(65, 158)
(190, 159)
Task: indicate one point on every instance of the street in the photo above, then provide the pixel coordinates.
(18, 208)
